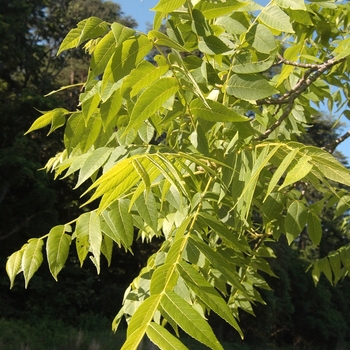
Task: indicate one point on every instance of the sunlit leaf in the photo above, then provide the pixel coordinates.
(275, 18)
(32, 258)
(249, 87)
(189, 320)
(86, 29)
(151, 100)
(163, 338)
(14, 265)
(57, 249)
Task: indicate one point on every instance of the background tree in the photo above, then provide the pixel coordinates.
(230, 176)
(30, 202)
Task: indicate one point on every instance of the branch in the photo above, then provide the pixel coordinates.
(313, 73)
(276, 124)
(331, 147)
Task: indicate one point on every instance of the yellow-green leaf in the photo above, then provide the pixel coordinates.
(57, 249)
(14, 265)
(32, 258)
(151, 100)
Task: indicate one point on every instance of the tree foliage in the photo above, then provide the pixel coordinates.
(202, 148)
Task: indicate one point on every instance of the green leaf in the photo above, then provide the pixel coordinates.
(163, 338)
(261, 39)
(345, 256)
(314, 227)
(212, 45)
(116, 181)
(199, 141)
(82, 246)
(199, 24)
(326, 269)
(275, 18)
(151, 100)
(249, 87)
(292, 4)
(118, 224)
(164, 278)
(102, 54)
(146, 206)
(273, 206)
(248, 62)
(140, 321)
(230, 237)
(287, 160)
(87, 29)
(95, 239)
(126, 57)
(14, 265)
(107, 248)
(167, 6)
(57, 249)
(207, 293)
(160, 39)
(82, 136)
(335, 263)
(225, 267)
(295, 221)
(184, 315)
(343, 205)
(93, 163)
(217, 112)
(213, 10)
(32, 258)
(105, 49)
(56, 117)
(298, 172)
(88, 224)
(142, 77)
(328, 165)
(110, 108)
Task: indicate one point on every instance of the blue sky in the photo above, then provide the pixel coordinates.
(140, 11)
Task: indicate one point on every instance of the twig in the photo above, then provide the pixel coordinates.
(313, 73)
(331, 147)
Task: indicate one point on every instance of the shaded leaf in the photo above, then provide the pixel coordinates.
(216, 113)
(212, 45)
(295, 221)
(249, 87)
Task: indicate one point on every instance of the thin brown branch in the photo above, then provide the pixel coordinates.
(331, 148)
(277, 123)
(309, 77)
(298, 64)
(312, 74)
